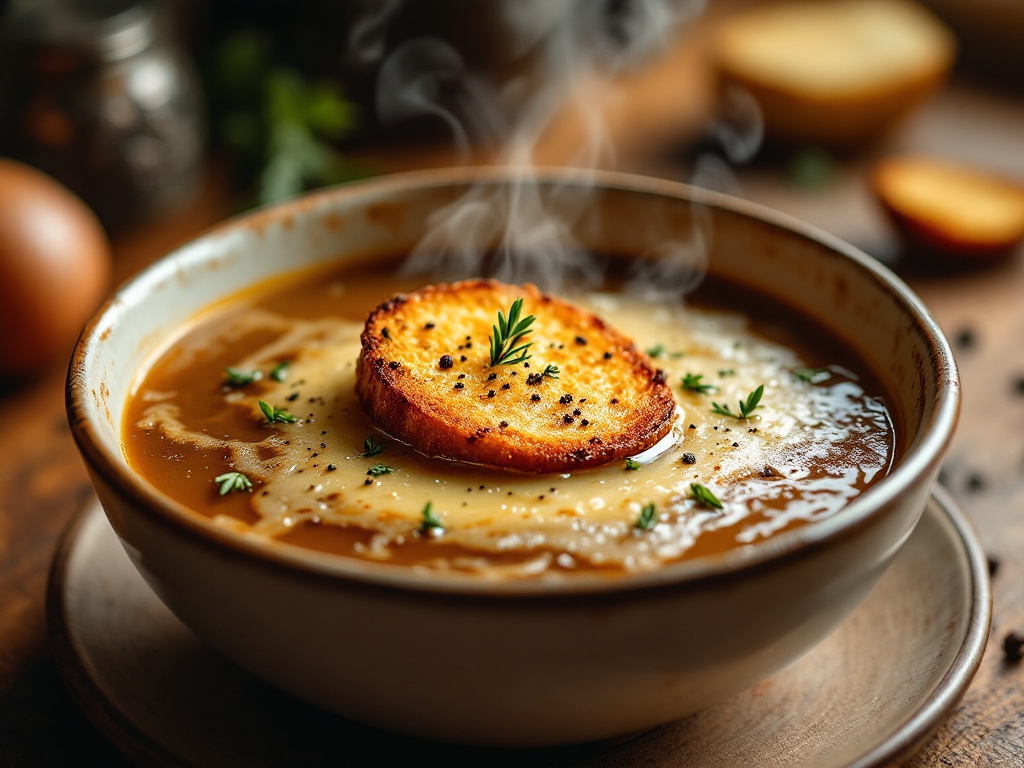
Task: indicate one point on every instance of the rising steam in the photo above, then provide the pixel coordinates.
(558, 51)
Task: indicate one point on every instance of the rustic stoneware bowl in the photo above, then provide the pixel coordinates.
(516, 662)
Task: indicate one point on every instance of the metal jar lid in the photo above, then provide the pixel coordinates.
(106, 30)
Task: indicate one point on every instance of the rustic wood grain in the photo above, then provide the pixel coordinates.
(43, 482)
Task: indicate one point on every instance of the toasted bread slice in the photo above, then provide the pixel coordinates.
(425, 376)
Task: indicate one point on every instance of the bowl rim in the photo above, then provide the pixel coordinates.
(918, 461)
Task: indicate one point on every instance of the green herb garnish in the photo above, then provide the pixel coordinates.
(380, 469)
(811, 168)
(812, 375)
(233, 481)
(551, 371)
(633, 464)
(507, 333)
(237, 378)
(656, 351)
(371, 447)
(746, 407)
(727, 372)
(275, 415)
(280, 371)
(430, 522)
(704, 496)
(692, 382)
(647, 518)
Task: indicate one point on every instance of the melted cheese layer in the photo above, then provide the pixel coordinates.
(809, 448)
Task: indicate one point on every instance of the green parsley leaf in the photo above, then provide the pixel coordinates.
(633, 464)
(507, 333)
(380, 469)
(237, 378)
(371, 447)
(812, 375)
(648, 518)
(275, 415)
(692, 382)
(280, 371)
(704, 496)
(233, 481)
(430, 522)
(746, 406)
(656, 351)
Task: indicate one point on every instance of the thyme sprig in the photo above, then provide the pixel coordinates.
(232, 481)
(371, 447)
(693, 383)
(508, 333)
(703, 496)
(746, 406)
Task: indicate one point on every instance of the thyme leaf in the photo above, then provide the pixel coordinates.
(812, 375)
(692, 382)
(704, 496)
(371, 447)
(280, 371)
(233, 481)
(275, 415)
(380, 469)
(233, 377)
(656, 351)
(430, 522)
(551, 371)
(647, 518)
(508, 333)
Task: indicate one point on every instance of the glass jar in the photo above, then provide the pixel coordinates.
(99, 95)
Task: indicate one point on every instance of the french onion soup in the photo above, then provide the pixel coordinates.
(496, 430)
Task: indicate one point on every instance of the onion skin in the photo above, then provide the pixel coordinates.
(55, 267)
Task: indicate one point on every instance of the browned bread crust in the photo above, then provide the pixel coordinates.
(424, 376)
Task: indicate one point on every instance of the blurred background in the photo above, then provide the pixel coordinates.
(139, 106)
(127, 126)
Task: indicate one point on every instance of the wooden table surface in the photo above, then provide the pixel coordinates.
(43, 482)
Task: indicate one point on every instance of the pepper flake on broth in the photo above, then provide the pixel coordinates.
(732, 438)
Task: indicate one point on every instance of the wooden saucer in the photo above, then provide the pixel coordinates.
(868, 696)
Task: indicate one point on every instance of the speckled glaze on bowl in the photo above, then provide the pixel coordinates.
(515, 662)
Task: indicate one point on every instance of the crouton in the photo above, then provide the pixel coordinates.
(579, 395)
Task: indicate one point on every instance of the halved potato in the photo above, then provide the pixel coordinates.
(949, 209)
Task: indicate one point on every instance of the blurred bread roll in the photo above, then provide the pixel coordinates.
(838, 73)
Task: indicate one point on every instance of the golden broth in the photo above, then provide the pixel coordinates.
(819, 437)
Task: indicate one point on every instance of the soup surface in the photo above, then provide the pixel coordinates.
(250, 417)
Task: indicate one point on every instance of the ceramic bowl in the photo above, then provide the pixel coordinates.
(516, 662)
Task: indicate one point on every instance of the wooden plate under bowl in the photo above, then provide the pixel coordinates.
(869, 695)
